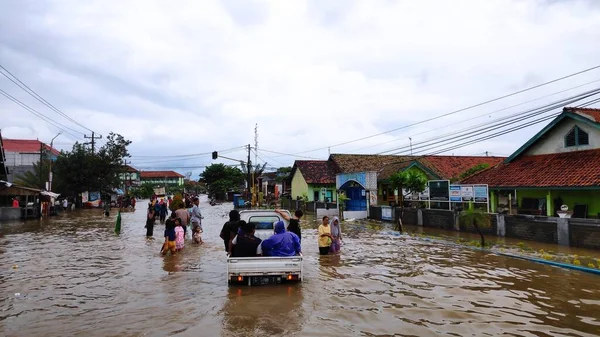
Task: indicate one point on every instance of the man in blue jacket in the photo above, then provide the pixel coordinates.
(282, 243)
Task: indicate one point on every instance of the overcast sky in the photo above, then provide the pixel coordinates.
(190, 77)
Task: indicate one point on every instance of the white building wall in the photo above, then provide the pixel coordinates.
(21, 159)
(554, 140)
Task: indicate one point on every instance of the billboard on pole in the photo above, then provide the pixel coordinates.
(439, 190)
(481, 193)
(455, 193)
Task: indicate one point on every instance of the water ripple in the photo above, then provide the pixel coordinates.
(72, 275)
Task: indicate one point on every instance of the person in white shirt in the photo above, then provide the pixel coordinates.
(197, 218)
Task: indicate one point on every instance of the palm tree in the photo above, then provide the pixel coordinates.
(32, 178)
(477, 219)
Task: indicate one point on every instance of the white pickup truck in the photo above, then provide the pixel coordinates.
(263, 270)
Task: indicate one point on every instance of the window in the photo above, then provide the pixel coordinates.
(263, 222)
(576, 137)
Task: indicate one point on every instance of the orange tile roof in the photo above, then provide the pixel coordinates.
(348, 163)
(160, 174)
(26, 146)
(593, 114)
(130, 169)
(316, 171)
(569, 169)
(451, 167)
(445, 167)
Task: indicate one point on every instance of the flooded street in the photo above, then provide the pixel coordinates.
(70, 275)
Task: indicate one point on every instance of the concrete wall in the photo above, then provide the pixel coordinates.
(584, 233)
(321, 212)
(10, 213)
(541, 229)
(438, 218)
(355, 214)
(554, 141)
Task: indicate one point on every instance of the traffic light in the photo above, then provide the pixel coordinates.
(215, 155)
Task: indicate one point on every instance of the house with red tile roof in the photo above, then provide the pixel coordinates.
(363, 176)
(162, 177)
(558, 166)
(21, 154)
(434, 167)
(130, 177)
(314, 179)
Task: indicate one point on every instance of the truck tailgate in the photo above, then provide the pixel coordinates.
(267, 265)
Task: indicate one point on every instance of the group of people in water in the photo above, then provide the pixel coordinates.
(176, 225)
(238, 236)
(240, 241)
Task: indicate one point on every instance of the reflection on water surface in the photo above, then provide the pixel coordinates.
(73, 276)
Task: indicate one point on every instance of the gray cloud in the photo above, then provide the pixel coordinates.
(196, 77)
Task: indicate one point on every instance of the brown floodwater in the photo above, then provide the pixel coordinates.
(70, 275)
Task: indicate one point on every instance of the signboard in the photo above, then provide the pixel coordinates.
(372, 198)
(481, 193)
(386, 213)
(466, 192)
(84, 197)
(455, 193)
(439, 190)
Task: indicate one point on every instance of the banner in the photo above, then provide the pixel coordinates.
(481, 193)
(94, 199)
(373, 198)
(455, 191)
(466, 192)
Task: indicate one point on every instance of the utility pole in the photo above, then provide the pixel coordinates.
(254, 177)
(410, 140)
(41, 165)
(248, 166)
(93, 138)
(50, 168)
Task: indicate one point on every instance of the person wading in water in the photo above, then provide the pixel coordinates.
(150, 222)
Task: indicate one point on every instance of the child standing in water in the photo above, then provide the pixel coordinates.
(179, 235)
(170, 238)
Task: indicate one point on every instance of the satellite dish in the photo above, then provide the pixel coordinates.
(564, 208)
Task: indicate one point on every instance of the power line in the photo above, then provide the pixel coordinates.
(478, 116)
(35, 95)
(193, 154)
(291, 155)
(54, 123)
(273, 159)
(457, 111)
(501, 121)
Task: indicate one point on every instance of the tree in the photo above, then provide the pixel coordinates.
(33, 178)
(342, 198)
(145, 191)
(473, 170)
(82, 170)
(282, 173)
(220, 178)
(177, 202)
(412, 181)
(477, 219)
